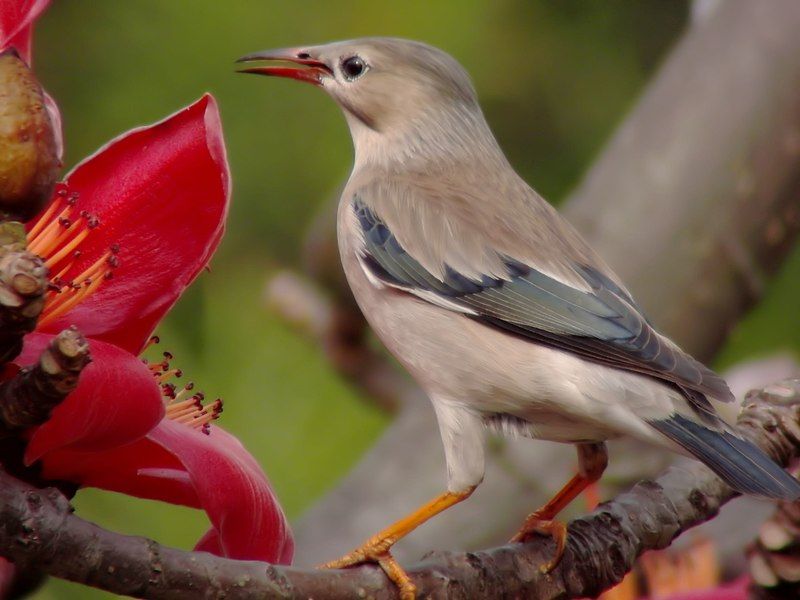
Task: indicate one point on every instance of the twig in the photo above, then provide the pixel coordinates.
(27, 398)
(23, 282)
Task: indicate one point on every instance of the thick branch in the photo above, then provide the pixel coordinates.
(38, 530)
(694, 201)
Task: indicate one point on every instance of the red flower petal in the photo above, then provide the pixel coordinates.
(16, 21)
(142, 469)
(161, 194)
(234, 492)
(180, 465)
(117, 401)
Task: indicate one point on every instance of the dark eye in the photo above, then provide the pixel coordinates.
(353, 67)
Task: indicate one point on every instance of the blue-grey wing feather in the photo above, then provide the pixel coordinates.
(603, 324)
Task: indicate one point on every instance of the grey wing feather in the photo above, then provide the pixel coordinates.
(602, 324)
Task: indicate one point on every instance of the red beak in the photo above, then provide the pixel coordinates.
(311, 69)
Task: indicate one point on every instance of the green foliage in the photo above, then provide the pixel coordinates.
(554, 77)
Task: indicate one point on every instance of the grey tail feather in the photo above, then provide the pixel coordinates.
(741, 464)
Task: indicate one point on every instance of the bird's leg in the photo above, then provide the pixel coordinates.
(462, 435)
(376, 548)
(592, 461)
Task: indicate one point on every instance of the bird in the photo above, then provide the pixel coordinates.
(491, 300)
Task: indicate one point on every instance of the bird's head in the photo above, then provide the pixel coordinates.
(382, 84)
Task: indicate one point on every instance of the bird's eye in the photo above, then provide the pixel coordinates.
(353, 67)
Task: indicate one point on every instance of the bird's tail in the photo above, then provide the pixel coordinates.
(741, 464)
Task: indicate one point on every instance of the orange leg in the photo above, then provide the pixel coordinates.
(592, 461)
(376, 548)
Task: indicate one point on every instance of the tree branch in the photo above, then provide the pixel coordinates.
(38, 529)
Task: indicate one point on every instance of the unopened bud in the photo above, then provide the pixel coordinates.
(29, 161)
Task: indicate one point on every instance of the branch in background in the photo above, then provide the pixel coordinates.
(27, 398)
(703, 179)
(38, 530)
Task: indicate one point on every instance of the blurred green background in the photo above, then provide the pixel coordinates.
(554, 77)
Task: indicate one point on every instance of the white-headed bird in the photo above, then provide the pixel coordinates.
(491, 300)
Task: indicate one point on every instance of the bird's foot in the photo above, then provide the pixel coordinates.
(376, 550)
(537, 523)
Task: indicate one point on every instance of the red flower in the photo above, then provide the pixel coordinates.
(127, 232)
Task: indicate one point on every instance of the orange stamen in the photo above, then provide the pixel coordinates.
(167, 375)
(175, 407)
(66, 301)
(46, 240)
(44, 220)
(187, 414)
(69, 247)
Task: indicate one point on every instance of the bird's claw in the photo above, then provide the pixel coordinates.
(377, 551)
(535, 524)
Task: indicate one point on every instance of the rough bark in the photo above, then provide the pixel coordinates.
(38, 529)
(28, 398)
(702, 179)
(23, 283)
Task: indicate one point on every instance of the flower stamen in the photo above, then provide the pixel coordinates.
(71, 293)
(188, 411)
(57, 236)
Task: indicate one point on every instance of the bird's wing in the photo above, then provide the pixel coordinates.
(598, 321)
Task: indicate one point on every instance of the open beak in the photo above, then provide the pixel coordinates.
(310, 70)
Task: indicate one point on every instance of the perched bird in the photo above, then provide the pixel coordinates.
(491, 300)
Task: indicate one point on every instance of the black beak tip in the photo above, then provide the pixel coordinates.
(246, 58)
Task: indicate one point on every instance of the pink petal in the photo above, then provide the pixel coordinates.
(734, 590)
(161, 194)
(16, 22)
(117, 401)
(248, 522)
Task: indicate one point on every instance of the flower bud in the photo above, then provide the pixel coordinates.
(29, 161)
